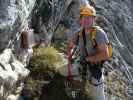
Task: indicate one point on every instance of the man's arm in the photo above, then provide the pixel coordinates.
(101, 54)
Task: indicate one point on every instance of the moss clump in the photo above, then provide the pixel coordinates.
(49, 57)
(46, 61)
(43, 77)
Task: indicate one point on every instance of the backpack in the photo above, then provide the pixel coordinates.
(93, 39)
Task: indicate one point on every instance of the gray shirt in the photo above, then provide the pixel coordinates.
(101, 38)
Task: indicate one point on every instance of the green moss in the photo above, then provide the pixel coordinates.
(44, 75)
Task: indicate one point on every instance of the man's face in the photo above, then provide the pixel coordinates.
(86, 21)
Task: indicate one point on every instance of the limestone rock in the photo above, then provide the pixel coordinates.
(11, 71)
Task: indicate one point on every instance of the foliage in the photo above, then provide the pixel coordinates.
(44, 66)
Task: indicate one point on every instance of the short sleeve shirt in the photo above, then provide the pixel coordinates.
(101, 38)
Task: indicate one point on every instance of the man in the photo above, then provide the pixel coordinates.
(93, 52)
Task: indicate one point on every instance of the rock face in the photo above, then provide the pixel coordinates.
(13, 18)
(47, 15)
(11, 71)
(60, 17)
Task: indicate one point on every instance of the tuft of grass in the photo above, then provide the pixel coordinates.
(44, 66)
(50, 57)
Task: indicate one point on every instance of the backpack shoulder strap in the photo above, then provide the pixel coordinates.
(83, 37)
(93, 36)
(84, 41)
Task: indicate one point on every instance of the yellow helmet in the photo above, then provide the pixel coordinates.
(87, 11)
